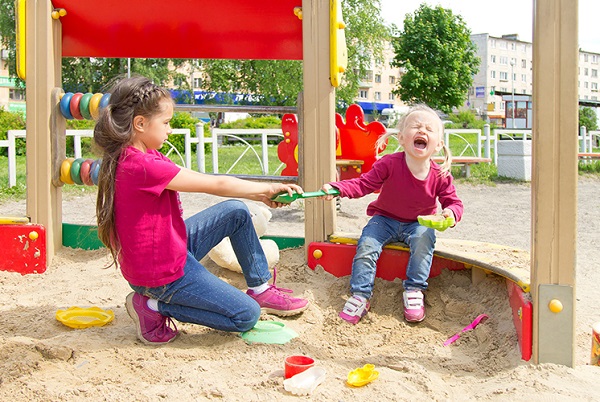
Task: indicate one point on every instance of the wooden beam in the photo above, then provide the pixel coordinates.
(317, 156)
(554, 177)
(43, 72)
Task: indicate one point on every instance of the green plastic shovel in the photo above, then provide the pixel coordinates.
(285, 198)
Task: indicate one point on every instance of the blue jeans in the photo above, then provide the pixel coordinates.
(200, 297)
(376, 234)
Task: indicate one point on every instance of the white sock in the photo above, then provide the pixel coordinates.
(260, 289)
(152, 304)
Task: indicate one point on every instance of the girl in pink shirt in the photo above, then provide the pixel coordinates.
(411, 184)
(140, 221)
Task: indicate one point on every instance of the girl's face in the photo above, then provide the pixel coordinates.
(422, 135)
(152, 132)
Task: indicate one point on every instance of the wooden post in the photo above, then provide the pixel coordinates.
(43, 73)
(554, 178)
(317, 155)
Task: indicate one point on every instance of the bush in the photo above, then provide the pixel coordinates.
(12, 121)
(254, 122)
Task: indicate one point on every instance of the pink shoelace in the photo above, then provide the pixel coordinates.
(278, 289)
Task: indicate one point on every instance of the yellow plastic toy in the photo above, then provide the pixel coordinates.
(438, 222)
(362, 376)
(79, 317)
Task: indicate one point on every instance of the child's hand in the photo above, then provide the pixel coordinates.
(326, 187)
(278, 188)
(448, 213)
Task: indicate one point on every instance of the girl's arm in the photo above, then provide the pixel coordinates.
(191, 181)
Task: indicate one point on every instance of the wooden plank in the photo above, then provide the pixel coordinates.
(554, 170)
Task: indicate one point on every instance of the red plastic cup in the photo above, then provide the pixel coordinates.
(297, 364)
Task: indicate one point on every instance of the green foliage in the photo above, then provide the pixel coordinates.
(589, 167)
(588, 118)
(436, 51)
(182, 120)
(467, 119)
(254, 122)
(278, 82)
(12, 121)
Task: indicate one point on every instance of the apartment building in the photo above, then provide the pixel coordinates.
(375, 89)
(506, 75)
(11, 98)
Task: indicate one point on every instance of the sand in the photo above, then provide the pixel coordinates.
(43, 360)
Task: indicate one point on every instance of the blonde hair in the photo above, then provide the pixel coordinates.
(130, 97)
(420, 107)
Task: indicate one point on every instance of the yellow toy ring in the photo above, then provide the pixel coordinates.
(65, 171)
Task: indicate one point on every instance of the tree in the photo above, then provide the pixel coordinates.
(278, 82)
(438, 58)
(588, 118)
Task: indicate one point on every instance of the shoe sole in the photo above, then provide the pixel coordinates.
(283, 313)
(134, 316)
(414, 321)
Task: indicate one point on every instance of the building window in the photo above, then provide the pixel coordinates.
(493, 73)
(503, 60)
(378, 78)
(585, 71)
(377, 96)
(585, 57)
(391, 97)
(594, 87)
(363, 93)
(493, 58)
(368, 77)
(197, 82)
(594, 58)
(16, 94)
(523, 77)
(392, 79)
(523, 63)
(503, 76)
(586, 85)
(503, 45)
(594, 73)
(493, 43)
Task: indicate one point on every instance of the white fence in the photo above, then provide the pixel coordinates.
(77, 136)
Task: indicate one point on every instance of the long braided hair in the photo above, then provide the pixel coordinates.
(130, 97)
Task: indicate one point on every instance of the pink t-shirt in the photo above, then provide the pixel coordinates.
(148, 219)
(403, 197)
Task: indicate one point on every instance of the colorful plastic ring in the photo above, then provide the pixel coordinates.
(74, 106)
(65, 171)
(84, 106)
(95, 105)
(75, 168)
(104, 100)
(84, 172)
(65, 102)
(94, 170)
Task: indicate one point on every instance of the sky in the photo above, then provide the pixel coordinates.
(500, 17)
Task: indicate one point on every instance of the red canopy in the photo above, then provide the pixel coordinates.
(217, 29)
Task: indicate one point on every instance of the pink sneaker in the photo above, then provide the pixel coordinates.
(414, 307)
(153, 328)
(275, 301)
(355, 308)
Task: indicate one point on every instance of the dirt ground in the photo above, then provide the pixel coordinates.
(42, 360)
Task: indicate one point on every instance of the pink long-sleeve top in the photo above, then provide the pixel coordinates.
(403, 197)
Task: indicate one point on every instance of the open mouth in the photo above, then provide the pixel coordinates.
(420, 143)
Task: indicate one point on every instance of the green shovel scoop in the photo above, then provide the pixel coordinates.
(285, 198)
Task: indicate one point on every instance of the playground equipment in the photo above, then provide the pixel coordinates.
(23, 246)
(271, 30)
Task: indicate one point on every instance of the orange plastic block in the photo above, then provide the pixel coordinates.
(23, 248)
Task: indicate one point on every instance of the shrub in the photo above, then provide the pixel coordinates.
(183, 120)
(254, 122)
(12, 121)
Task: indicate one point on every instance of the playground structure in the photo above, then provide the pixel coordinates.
(275, 31)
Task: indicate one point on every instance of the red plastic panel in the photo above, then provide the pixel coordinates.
(522, 318)
(337, 260)
(218, 29)
(357, 140)
(23, 248)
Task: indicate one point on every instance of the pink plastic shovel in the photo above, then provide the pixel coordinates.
(480, 318)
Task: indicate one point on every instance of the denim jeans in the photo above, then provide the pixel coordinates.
(380, 231)
(200, 297)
